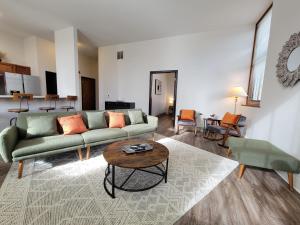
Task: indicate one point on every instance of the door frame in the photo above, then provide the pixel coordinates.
(175, 89)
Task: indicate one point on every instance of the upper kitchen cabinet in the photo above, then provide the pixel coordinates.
(13, 68)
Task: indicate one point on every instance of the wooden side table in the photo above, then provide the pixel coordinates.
(211, 121)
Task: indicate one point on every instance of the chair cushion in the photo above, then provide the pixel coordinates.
(96, 120)
(103, 134)
(222, 130)
(138, 129)
(116, 120)
(72, 124)
(187, 114)
(40, 126)
(136, 116)
(45, 144)
(186, 123)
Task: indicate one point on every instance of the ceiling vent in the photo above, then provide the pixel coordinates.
(120, 55)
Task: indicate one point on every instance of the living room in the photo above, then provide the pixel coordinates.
(212, 49)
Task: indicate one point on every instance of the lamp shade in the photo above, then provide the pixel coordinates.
(238, 92)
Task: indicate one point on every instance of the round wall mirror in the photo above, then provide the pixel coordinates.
(288, 66)
(294, 60)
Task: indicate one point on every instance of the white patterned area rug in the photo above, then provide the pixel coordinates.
(65, 191)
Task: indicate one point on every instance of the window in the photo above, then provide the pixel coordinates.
(259, 56)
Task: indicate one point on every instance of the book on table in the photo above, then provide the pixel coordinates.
(137, 148)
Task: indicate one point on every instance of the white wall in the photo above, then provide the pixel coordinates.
(208, 65)
(159, 101)
(278, 118)
(40, 56)
(46, 60)
(13, 47)
(66, 50)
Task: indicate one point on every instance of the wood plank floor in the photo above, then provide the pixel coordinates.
(261, 197)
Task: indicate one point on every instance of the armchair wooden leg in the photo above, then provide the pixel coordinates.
(79, 153)
(20, 169)
(242, 170)
(153, 137)
(229, 152)
(88, 151)
(195, 131)
(177, 129)
(291, 181)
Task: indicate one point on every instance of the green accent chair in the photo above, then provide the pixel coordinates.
(263, 154)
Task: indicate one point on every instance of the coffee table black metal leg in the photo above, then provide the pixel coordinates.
(113, 182)
(166, 172)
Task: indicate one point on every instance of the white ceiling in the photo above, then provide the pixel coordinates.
(106, 22)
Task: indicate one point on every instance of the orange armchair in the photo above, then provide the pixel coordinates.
(230, 125)
(187, 117)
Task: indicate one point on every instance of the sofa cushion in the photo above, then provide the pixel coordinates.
(39, 126)
(45, 144)
(138, 129)
(96, 120)
(103, 134)
(136, 116)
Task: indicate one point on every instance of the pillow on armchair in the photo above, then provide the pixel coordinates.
(230, 118)
(187, 114)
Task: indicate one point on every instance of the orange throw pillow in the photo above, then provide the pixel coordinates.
(116, 120)
(72, 124)
(230, 118)
(187, 114)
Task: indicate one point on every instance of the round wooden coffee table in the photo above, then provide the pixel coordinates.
(115, 156)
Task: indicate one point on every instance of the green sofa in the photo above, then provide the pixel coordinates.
(263, 154)
(16, 146)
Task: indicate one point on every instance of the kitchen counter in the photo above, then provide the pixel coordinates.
(6, 103)
(34, 97)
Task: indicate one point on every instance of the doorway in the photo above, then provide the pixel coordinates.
(88, 92)
(163, 93)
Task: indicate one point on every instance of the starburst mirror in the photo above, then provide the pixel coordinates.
(288, 67)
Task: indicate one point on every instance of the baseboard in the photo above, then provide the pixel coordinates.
(285, 179)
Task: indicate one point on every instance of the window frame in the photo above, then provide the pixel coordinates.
(250, 102)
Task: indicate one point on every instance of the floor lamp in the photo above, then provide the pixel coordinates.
(237, 92)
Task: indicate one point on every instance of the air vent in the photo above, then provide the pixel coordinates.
(120, 55)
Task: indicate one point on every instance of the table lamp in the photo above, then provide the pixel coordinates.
(171, 101)
(237, 92)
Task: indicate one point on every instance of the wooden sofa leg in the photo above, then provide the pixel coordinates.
(177, 129)
(195, 131)
(79, 153)
(291, 181)
(20, 169)
(153, 137)
(242, 170)
(88, 151)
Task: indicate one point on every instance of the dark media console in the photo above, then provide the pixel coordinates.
(119, 105)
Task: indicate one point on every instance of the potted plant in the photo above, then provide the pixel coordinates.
(2, 56)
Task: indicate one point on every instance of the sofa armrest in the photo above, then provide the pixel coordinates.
(152, 120)
(8, 142)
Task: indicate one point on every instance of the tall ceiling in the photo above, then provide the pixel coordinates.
(106, 22)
